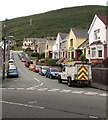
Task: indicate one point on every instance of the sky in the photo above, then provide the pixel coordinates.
(17, 8)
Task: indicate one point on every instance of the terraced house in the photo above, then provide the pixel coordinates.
(75, 39)
(59, 47)
(48, 48)
(98, 38)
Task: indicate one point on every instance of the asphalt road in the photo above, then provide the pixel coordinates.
(34, 96)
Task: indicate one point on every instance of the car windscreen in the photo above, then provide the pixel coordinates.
(54, 70)
(45, 68)
(12, 69)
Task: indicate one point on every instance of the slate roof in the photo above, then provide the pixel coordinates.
(80, 33)
(84, 44)
(63, 35)
(104, 19)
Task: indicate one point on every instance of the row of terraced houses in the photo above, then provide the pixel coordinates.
(92, 42)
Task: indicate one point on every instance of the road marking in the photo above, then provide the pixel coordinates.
(34, 87)
(65, 91)
(20, 104)
(53, 90)
(3, 88)
(103, 94)
(93, 116)
(11, 88)
(20, 88)
(91, 93)
(32, 102)
(78, 92)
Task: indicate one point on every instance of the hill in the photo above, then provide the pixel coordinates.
(50, 23)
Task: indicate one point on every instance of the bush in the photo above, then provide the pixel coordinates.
(51, 62)
(42, 55)
(34, 54)
(82, 57)
(28, 49)
(42, 61)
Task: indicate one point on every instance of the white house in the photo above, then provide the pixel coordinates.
(98, 42)
(56, 47)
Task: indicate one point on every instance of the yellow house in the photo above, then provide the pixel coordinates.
(75, 39)
(48, 48)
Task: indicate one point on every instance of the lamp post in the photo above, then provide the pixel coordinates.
(9, 46)
(4, 50)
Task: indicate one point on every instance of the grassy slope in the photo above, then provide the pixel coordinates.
(50, 23)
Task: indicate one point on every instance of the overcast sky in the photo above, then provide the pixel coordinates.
(18, 8)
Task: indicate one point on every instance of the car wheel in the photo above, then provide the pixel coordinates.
(50, 76)
(69, 82)
(59, 79)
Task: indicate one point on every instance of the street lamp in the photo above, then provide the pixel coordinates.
(4, 50)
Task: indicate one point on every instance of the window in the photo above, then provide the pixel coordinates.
(99, 51)
(71, 42)
(60, 45)
(97, 34)
(47, 47)
(93, 52)
(56, 46)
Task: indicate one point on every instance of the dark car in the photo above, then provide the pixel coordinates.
(52, 73)
(27, 64)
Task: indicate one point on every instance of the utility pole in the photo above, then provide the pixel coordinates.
(4, 51)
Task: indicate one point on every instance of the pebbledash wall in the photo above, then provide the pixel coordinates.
(100, 75)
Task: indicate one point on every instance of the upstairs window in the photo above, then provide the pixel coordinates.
(97, 34)
(93, 52)
(99, 51)
(47, 47)
(71, 42)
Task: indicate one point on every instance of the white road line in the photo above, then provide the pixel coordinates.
(20, 104)
(91, 93)
(65, 91)
(93, 116)
(103, 94)
(32, 102)
(11, 88)
(3, 88)
(42, 89)
(53, 90)
(34, 87)
(20, 88)
(78, 92)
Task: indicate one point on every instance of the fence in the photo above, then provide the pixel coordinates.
(100, 75)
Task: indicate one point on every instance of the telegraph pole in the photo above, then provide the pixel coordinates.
(4, 50)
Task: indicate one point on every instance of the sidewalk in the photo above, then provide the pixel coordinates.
(99, 86)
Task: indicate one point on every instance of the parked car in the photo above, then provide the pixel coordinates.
(36, 68)
(23, 60)
(12, 71)
(11, 61)
(52, 72)
(27, 63)
(43, 70)
(31, 66)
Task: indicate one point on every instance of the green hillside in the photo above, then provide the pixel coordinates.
(50, 23)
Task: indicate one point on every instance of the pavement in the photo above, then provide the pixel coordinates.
(99, 86)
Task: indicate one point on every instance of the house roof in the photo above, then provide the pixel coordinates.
(104, 19)
(63, 35)
(80, 33)
(96, 43)
(84, 44)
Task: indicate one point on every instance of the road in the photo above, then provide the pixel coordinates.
(34, 96)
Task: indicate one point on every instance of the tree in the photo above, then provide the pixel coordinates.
(34, 54)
